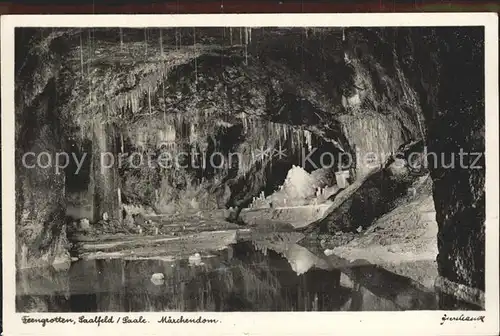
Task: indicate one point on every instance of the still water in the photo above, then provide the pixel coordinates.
(239, 278)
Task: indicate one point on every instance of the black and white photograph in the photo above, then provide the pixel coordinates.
(196, 169)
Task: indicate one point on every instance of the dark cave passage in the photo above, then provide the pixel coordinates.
(79, 169)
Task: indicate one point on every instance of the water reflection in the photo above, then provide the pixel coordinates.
(241, 278)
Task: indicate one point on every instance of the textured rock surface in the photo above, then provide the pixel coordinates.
(388, 84)
(40, 197)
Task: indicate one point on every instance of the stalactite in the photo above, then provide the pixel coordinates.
(195, 58)
(244, 120)
(161, 42)
(246, 46)
(88, 68)
(308, 137)
(420, 126)
(149, 100)
(164, 102)
(231, 36)
(241, 36)
(121, 39)
(300, 137)
(176, 39)
(379, 143)
(246, 55)
(277, 130)
(145, 41)
(81, 55)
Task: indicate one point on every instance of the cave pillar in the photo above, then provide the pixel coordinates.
(105, 178)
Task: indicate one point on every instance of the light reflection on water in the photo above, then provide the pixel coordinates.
(241, 278)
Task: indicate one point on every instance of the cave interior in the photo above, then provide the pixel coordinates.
(255, 119)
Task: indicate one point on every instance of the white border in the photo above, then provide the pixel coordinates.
(417, 322)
